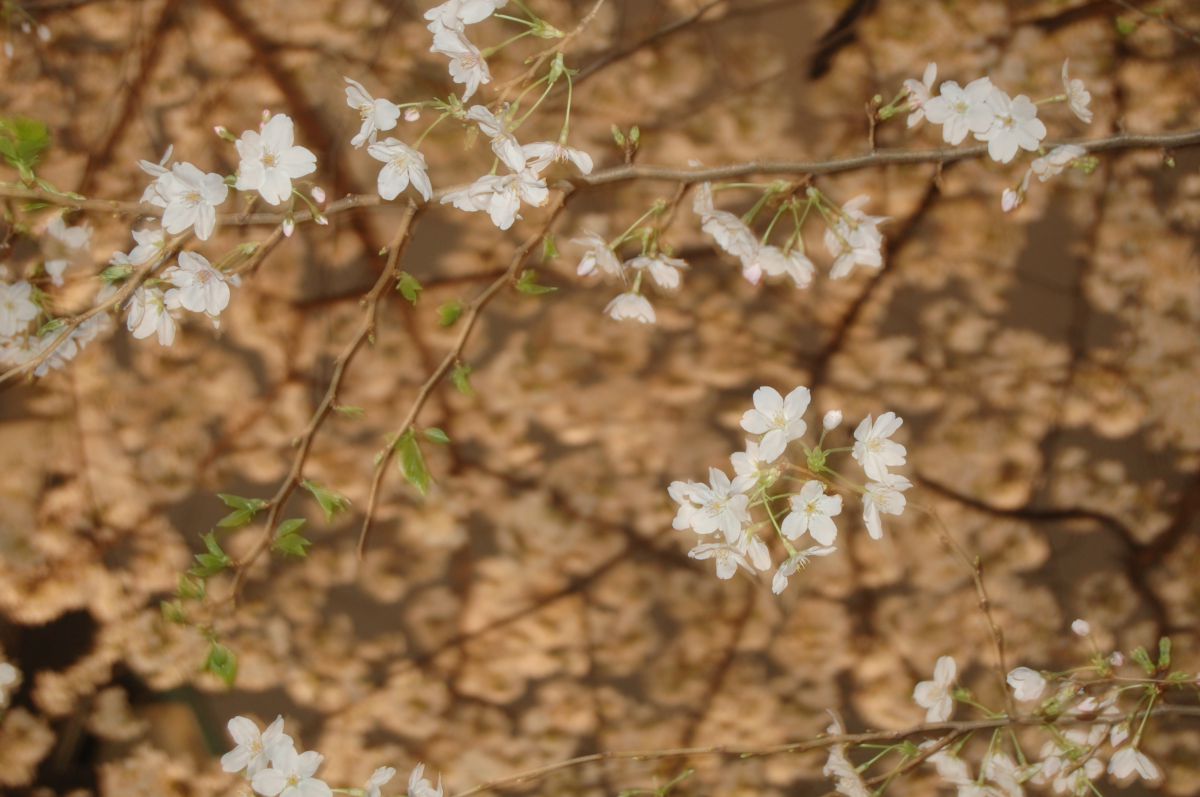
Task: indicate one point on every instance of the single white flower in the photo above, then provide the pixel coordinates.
(402, 165)
(631, 307)
(151, 243)
(148, 315)
(1003, 771)
(1056, 160)
(419, 785)
(1078, 97)
(847, 780)
(797, 561)
(467, 64)
(773, 261)
(663, 270)
(961, 110)
(270, 160)
(501, 196)
(1081, 627)
(1015, 126)
(689, 496)
(378, 778)
(728, 558)
(377, 115)
(1129, 761)
(597, 254)
(199, 287)
(543, 154)
(504, 143)
(64, 246)
(832, 420)
(755, 550)
(153, 193)
(16, 307)
(10, 679)
(1026, 684)
(254, 748)
(291, 775)
(919, 94)
(191, 198)
(854, 239)
(457, 13)
(722, 507)
(874, 450)
(752, 465)
(936, 696)
(883, 498)
(730, 233)
(813, 512)
(779, 420)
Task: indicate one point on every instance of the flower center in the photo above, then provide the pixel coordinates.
(193, 197)
(270, 159)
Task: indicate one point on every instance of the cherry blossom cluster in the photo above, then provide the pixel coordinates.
(268, 759)
(1107, 713)
(763, 477)
(1007, 124)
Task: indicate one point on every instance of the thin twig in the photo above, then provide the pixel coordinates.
(365, 330)
(468, 321)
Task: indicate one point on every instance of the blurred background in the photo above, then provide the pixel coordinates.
(537, 605)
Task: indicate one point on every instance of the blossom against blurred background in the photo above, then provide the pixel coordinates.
(536, 604)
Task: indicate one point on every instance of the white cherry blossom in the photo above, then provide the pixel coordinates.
(1081, 627)
(631, 307)
(961, 110)
(270, 160)
(199, 287)
(148, 315)
(291, 775)
(377, 115)
(190, 199)
(689, 496)
(721, 507)
(1026, 684)
(402, 165)
(379, 777)
(467, 64)
(1015, 126)
(813, 512)
(832, 420)
(662, 269)
(17, 309)
(254, 748)
(543, 154)
(453, 15)
(64, 246)
(854, 239)
(419, 785)
(730, 233)
(597, 255)
(1078, 97)
(727, 557)
(773, 261)
(795, 562)
(500, 196)
(1054, 162)
(936, 696)
(779, 420)
(1129, 761)
(883, 498)
(151, 242)
(919, 94)
(873, 448)
(751, 465)
(504, 143)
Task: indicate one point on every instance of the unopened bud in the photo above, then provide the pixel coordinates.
(411, 114)
(1081, 628)
(318, 193)
(8, 49)
(1009, 200)
(223, 132)
(832, 420)
(289, 226)
(43, 33)
(1116, 659)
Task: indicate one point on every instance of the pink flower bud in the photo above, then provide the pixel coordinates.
(411, 114)
(1081, 628)
(318, 193)
(289, 226)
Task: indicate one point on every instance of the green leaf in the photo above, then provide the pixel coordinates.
(1143, 658)
(290, 526)
(409, 287)
(349, 412)
(114, 274)
(1125, 26)
(22, 142)
(237, 502)
(53, 325)
(288, 540)
(450, 312)
(412, 462)
(461, 377)
(527, 284)
(549, 247)
(190, 588)
(1164, 653)
(213, 562)
(236, 518)
(172, 612)
(222, 662)
(330, 502)
(618, 136)
(436, 435)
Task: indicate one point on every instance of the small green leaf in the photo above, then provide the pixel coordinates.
(549, 247)
(1125, 26)
(436, 435)
(409, 287)
(330, 501)
(237, 502)
(461, 377)
(212, 562)
(22, 142)
(222, 662)
(114, 274)
(349, 412)
(1164, 653)
(53, 325)
(292, 545)
(635, 134)
(450, 312)
(191, 588)
(290, 526)
(172, 612)
(412, 462)
(1143, 658)
(236, 518)
(527, 284)
(618, 136)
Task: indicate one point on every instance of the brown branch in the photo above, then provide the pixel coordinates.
(468, 321)
(365, 331)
